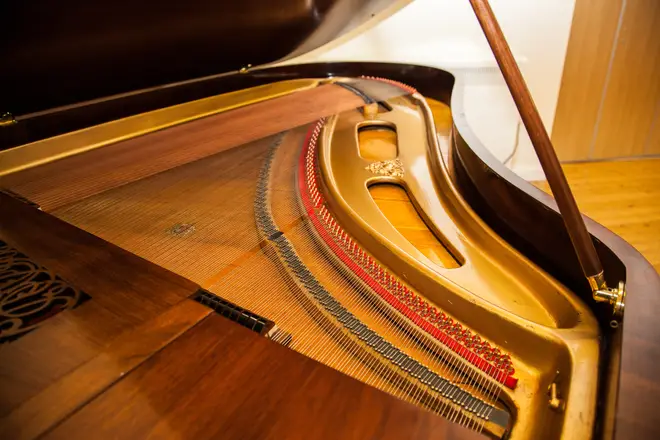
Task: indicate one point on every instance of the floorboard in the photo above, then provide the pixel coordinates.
(623, 196)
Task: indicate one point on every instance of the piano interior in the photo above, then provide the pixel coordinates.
(326, 207)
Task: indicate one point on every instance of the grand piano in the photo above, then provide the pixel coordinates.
(195, 243)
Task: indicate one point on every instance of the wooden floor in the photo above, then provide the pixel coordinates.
(624, 196)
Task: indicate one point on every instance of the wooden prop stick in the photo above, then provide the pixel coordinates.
(577, 230)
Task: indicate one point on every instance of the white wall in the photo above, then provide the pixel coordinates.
(445, 33)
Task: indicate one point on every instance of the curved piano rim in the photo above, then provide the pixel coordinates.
(627, 389)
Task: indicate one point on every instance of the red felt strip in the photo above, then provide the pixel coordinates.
(325, 225)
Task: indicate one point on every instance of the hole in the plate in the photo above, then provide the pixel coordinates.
(377, 142)
(396, 206)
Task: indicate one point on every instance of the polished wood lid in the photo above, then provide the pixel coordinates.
(57, 53)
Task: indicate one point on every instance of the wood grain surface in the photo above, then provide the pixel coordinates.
(126, 292)
(623, 196)
(226, 255)
(653, 141)
(79, 374)
(73, 390)
(140, 216)
(632, 96)
(61, 182)
(222, 381)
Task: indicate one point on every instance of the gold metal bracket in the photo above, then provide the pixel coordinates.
(370, 111)
(555, 402)
(7, 119)
(614, 296)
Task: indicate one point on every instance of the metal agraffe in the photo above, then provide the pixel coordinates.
(30, 294)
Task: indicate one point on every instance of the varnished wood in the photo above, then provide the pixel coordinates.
(100, 135)
(76, 388)
(531, 118)
(126, 291)
(62, 182)
(139, 216)
(87, 261)
(220, 380)
(236, 263)
(175, 46)
(89, 374)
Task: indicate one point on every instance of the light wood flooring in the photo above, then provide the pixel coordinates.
(624, 196)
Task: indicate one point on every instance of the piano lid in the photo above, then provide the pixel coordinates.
(58, 53)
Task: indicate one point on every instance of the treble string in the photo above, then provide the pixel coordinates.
(363, 372)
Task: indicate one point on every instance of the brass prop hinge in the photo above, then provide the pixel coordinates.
(7, 119)
(616, 297)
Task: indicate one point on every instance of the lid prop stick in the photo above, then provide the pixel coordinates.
(577, 230)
